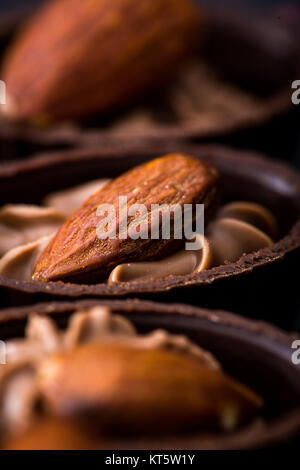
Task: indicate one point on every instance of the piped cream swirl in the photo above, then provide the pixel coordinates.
(236, 231)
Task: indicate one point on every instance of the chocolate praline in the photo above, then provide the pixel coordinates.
(253, 284)
(256, 79)
(255, 353)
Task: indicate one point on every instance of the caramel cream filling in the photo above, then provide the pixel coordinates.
(22, 224)
(25, 230)
(253, 214)
(239, 228)
(230, 239)
(230, 236)
(66, 202)
(181, 263)
(19, 390)
(19, 262)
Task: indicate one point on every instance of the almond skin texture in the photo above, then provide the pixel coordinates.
(76, 58)
(77, 254)
(144, 391)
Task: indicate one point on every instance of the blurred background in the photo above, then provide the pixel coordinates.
(285, 12)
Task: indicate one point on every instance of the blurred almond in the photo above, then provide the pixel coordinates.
(76, 58)
(53, 434)
(129, 390)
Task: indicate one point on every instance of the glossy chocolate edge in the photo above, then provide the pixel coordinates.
(249, 160)
(257, 435)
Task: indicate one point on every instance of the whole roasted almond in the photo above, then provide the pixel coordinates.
(77, 58)
(78, 254)
(132, 390)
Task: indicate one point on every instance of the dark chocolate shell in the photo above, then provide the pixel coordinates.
(238, 86)
(255, 353)
(255, 283)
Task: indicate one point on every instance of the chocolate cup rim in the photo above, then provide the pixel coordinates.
(246, 264)
(281, 429)
(64, 135)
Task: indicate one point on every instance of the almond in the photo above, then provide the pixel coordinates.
(76, 58)
(54, 434)
(77, 254)
(146, 391)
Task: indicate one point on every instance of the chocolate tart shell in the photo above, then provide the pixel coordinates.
(256, 353)
(258, 57)
(264, 282)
